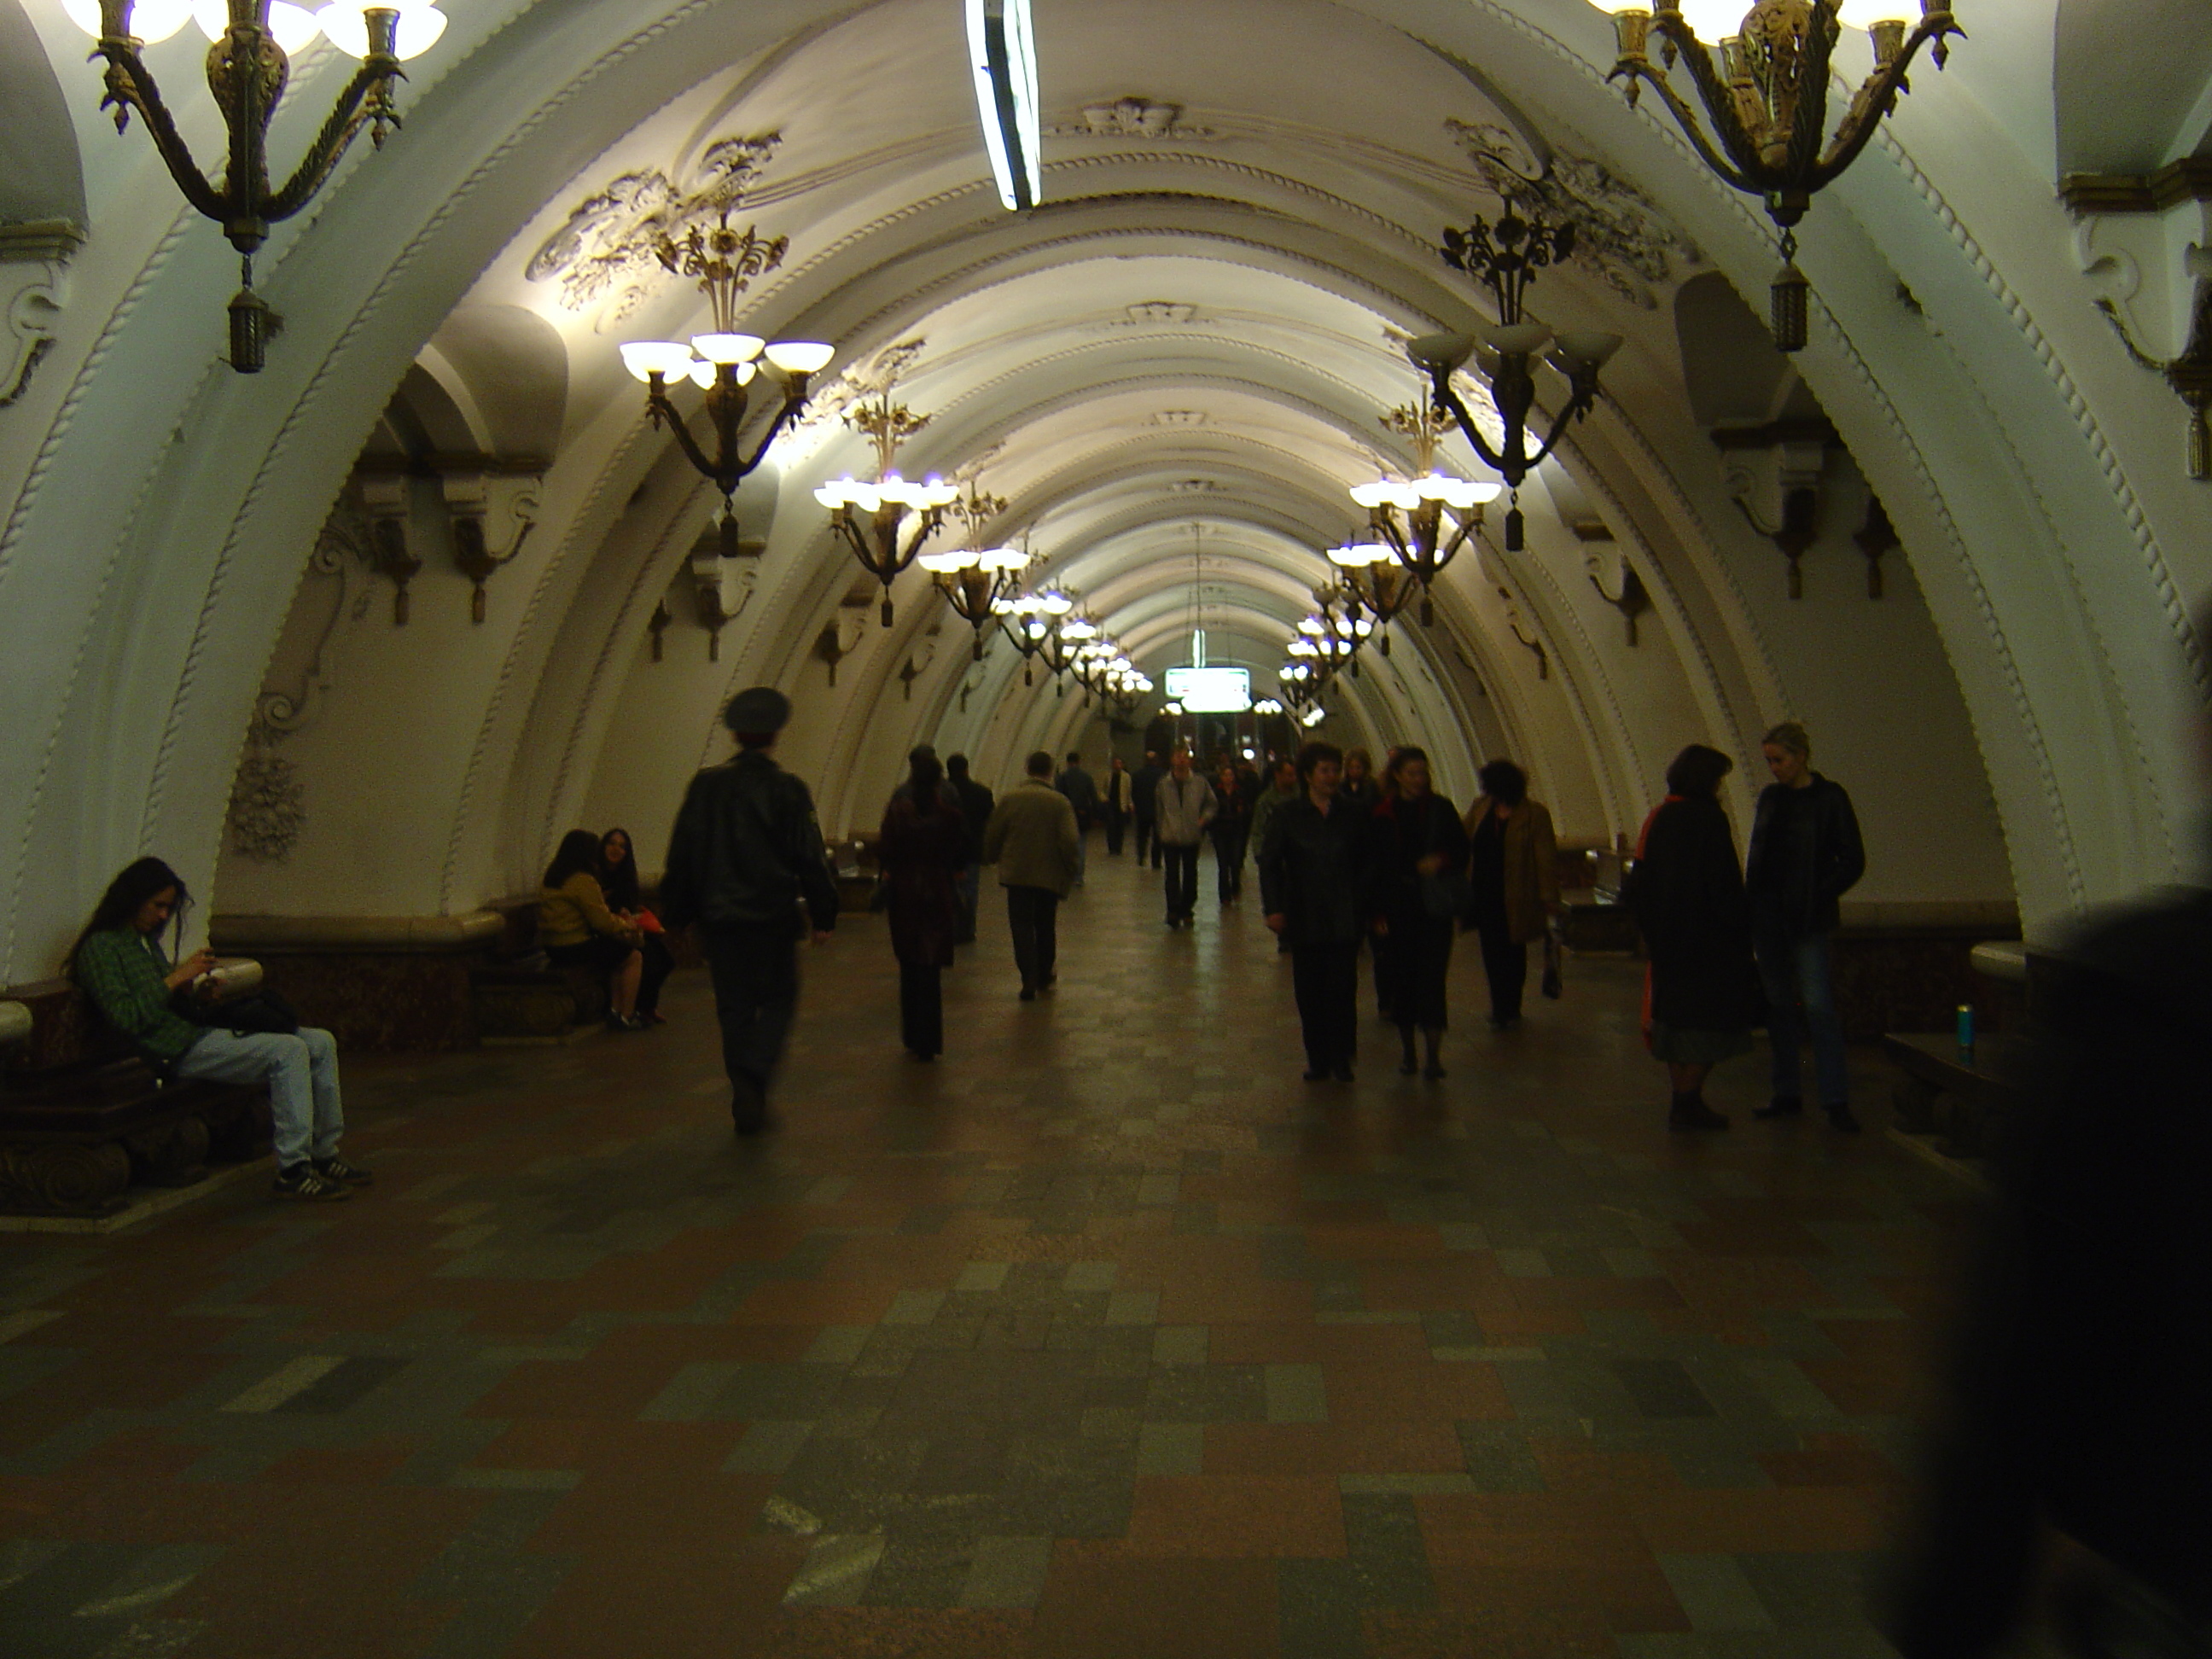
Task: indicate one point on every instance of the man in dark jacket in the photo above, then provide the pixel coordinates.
(1314, 885)
(974, 802)
(1144, 808)
(745, 853)
(1804, 855)
(1081, 790)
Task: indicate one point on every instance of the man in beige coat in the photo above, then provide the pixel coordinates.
(1513, 871)
(1033, 839)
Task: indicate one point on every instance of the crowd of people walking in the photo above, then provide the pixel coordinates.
(1350, 860)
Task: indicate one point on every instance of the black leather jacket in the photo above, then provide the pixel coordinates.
(746, 850)
(1315, 871)
(1795, 891)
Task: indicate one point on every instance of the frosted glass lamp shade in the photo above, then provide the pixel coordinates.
(727, 348)
(945, 563)
(666, 358)
(1431, 352)
(1516, 339)
(801, 357)
(1357, 555)
(1003, 558)
(1865, 14)
(417, 30)
(295, 26)
(150, 20)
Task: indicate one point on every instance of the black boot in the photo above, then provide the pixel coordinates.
(1690, 1112)
(1434, 1069)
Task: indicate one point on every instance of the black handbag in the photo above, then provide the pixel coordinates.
(259, 1012)
(1447, 894)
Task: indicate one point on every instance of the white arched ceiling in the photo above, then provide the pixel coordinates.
(1197, 327)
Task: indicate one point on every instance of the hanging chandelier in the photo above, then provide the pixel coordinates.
(1030, 622)
(1505, 257)
(1373, 583)
(1421, 523)
(1328, 644)
(724, 362)
(977, 582)
(873, 517)
(247, 68)
(1765, 88)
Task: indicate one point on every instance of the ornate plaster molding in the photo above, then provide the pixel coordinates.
(607, 248)
(34, 289)
(1131, 118)
(1621, 236)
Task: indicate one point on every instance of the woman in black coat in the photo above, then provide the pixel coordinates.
(618, 880)
(1418, 864)
(922, 849)
(1686, 889)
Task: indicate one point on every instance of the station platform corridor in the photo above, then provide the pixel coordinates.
(1104, 1335)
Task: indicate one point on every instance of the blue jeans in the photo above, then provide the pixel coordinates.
(1801, 999)
(302, 1075)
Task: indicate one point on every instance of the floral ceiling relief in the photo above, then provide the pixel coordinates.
(869, 377)
(1621, 237)
(607, 251)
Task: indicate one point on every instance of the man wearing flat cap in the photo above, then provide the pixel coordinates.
(745, 857)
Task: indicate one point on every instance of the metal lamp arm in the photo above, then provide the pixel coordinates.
(364, 100)
(794, 400)
(663, 409)
(131, 86)
(1687, 119)
(1873, 97)
(1719, 100)
(1450, 400)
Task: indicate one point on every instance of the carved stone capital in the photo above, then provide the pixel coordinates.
(33, 289)
(492, 514)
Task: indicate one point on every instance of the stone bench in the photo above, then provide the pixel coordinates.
(82, 1119)
(374, 982)
(1957, 1098)
(520, 996)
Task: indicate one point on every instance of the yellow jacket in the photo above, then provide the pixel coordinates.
(574, 911)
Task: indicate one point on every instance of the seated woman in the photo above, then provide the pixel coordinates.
(579, 930)
(117, 962)
(618, 881)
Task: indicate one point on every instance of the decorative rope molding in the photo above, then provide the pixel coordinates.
(2108, 461)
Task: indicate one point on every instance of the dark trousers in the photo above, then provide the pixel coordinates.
(755, 968)
(1229, 861)
(659, 962)
(1412, 964)
(921, 1008)
(1325, 977)
(1507, 966)
(1033, 914)
(1116, 821)
(1148, 837)
(1181, 880)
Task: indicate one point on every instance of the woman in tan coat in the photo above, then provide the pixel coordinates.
(1513, 871)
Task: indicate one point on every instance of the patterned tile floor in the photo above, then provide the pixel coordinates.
(1103, 1335)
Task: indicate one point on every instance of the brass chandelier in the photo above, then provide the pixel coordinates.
(1764, 89)
(878, 533)
(1419, 525)
(979, 583)
(1505, 259)
(248, 66)
(723, 262)
(1031, 624)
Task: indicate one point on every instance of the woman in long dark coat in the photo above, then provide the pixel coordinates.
(1686, 889)
(922, 849)
(1418, 860)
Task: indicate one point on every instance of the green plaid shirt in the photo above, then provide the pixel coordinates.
(126, 974)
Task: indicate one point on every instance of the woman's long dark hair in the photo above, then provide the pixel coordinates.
(126, 896)
(579, 850)
(619, 880)
(923, 781)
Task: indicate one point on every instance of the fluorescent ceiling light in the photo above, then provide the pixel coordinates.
(1003, 52)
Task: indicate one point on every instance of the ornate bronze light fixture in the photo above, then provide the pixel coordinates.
(1505, 257)
(1764, 89)
(1031, 623)
(247, 68)
(1330, 644)
(876, 539)
(980, 584)
(1438, 515)
(723, 262)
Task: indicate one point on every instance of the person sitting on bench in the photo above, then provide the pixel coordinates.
(117, 962)
(579, 930)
